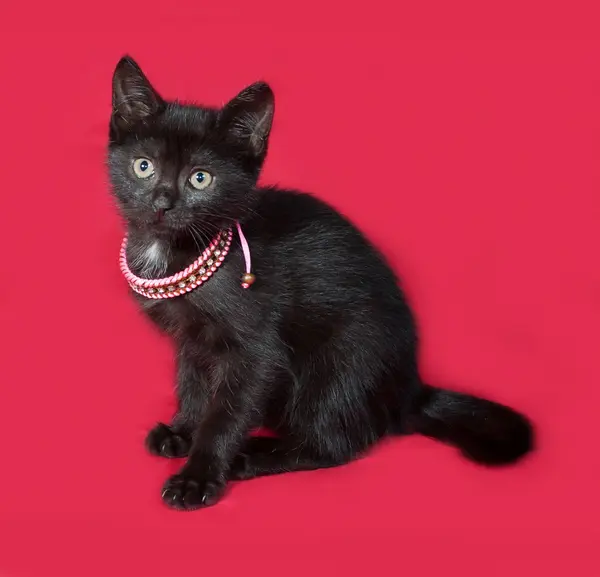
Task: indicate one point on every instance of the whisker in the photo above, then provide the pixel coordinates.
(191, 231)
(203, 236)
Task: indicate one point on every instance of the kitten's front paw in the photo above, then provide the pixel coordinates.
(163, 441)
(186, 492)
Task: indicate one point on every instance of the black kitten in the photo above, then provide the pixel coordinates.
(321, 349)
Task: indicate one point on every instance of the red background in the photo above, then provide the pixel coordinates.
(462, 137)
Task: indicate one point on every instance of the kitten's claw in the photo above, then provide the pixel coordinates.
(186, 493)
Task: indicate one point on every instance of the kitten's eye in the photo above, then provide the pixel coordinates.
(143, 167)
(201, 179)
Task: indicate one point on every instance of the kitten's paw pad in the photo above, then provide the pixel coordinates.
(186, 493)
(163, 441)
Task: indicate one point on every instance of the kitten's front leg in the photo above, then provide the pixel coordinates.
(175, 440)
(217, 440)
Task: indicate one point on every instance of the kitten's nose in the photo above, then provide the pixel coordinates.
(162, 203)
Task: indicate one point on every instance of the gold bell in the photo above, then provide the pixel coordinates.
(247, 280)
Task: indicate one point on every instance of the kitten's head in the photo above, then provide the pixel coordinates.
(174, 168)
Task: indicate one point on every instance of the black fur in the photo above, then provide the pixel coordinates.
(321, 349)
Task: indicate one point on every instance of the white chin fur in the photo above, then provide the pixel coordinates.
(151, 260)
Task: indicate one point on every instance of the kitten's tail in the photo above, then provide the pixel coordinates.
(485, 432)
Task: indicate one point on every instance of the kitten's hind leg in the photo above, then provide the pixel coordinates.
(169, 441)
(272, 456)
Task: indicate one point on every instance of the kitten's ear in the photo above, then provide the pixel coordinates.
(133, 97)
(248, 118)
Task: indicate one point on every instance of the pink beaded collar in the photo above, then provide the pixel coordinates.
(194, 275)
